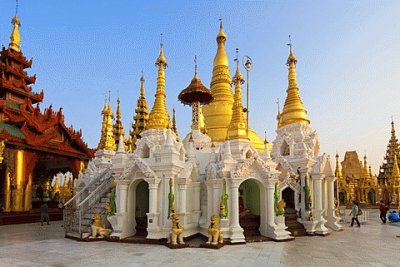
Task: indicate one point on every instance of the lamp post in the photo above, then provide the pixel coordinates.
(248, 65)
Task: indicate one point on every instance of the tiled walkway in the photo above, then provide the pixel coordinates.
(374, 244)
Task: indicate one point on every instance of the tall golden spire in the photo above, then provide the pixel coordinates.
(15, 36)
(338, 171)
(159, 117)
(293, 110)
(221, 58)
(141, 116)
(174, 129)
(218, 114)
(237, 126)
(118, 128)
(366, 170)
(107, 140)
(395, 172)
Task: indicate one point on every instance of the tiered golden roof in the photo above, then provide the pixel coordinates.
(237, 126)
(141, 117)
(159, 117)
(293, 110)
(15, 36)
(196, 94)
(118, 128)
(392, 150)
(107, 140)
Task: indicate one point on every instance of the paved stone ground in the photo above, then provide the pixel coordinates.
(373, 244)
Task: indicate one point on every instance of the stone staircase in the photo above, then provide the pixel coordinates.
(294, 227)
(87, 218)
(250, 225)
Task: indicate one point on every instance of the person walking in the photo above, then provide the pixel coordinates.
(383, 208)
(354, 213)
(44, 213)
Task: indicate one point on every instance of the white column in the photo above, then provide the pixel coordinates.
(318, 209)
(234, 227)
(182, 198)
(153, 198)
(270, 188)
(332, 220)
(210, 200)
(234, 205)
(318, 192)
(153, 216)
(196, 188)
(302, 198)
(217, 194)
(123, 193)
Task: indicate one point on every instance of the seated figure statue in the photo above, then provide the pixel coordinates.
(98, 228)
(215, 236)
(176, 235)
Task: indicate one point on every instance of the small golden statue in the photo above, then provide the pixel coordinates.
(215, 235)
(98, 228)
(177, 231)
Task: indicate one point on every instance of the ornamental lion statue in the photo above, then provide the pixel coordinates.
(176, 235)
(98, 228)
(214, 234)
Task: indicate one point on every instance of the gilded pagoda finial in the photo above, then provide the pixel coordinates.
(159, 117)
(107, 140)
(293, 109)
(221, 58)
(265, 138)
(141, 116)
(174, 128)
(15, 35)
(118, 127)
(142, 90)
(237, 126)
(338, 172)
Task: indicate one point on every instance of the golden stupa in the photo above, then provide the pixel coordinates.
(218, 114)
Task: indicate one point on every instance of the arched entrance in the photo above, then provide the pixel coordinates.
(249, 207)
(342, 198)
(141, 207)
(371, 197)
(288, 196)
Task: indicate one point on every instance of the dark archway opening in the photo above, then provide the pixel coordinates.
(288, 197)
(142, 208)
(249, 207)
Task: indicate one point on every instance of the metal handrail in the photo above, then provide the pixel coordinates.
(86, 187)
(93, 194)
(79, 211)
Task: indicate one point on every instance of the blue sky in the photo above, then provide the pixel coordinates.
(348, 61)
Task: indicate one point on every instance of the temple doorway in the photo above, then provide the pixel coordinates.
(249, 207)
(371, 197)
(342, 198)
(46, 167)
(288, 196)
(142, 208)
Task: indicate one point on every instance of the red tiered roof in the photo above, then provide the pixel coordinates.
(23, 124)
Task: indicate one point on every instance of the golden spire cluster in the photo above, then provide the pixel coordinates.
(159, 117)
(141, 117)
(107, 140)
(118, 127)
(237, 127)
(293, 110)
